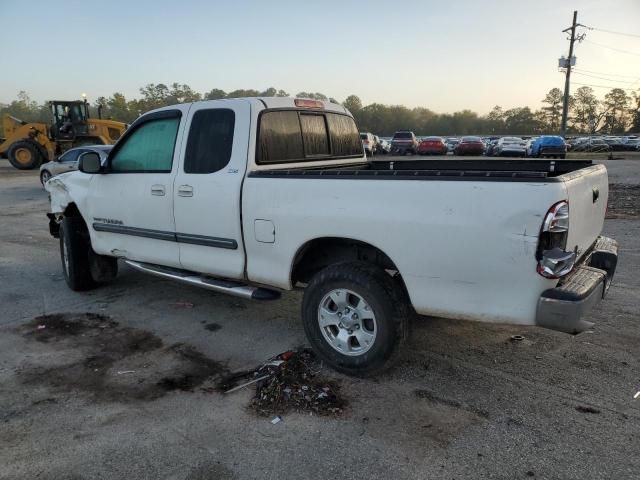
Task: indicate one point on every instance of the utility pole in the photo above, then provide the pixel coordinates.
(572, 39)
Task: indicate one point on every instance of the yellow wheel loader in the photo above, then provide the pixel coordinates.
(27, 145)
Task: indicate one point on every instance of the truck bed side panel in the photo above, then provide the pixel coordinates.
(465, 249)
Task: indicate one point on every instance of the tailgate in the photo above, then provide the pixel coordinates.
(587, 191)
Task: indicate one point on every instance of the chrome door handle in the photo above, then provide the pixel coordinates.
(185, 191)
(157, 190)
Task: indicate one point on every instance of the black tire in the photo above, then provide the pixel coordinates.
(25, 155)
(44, 176)
(386, 299)
(74, 253)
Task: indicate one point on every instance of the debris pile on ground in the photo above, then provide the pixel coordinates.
(289, 382)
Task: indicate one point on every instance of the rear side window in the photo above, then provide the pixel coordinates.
(345, 141)
(210, 141)
(292, 136)
(280, 137)
(149, 148)
(314, 135)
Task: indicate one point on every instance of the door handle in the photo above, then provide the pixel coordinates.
(157, 190)
(185, 191)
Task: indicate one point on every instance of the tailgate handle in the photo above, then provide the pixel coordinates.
(596, 194)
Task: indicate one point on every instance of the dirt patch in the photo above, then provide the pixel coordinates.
(111, 362)
(437, 399)
(212, 327)
(624, 201)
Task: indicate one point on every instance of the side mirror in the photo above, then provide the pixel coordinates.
(89, 162)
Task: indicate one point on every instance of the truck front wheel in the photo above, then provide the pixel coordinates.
(355, 317)
(74, 252)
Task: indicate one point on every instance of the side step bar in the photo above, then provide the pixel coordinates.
(217, 285)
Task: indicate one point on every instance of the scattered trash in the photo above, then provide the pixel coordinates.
(288, 382)
(182, 304)
(277, 419)
(538, 357)
(517, 338)
(636, 395)
(41, 327)
(583, 409)
(246, 384)
(124, 372)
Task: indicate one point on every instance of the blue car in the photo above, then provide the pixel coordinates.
(549, 146)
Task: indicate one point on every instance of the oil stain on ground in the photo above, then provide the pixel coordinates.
(116, 363)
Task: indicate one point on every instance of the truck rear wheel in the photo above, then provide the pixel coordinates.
(25, 155)
(355, 317)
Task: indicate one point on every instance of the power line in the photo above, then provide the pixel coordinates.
(604, 86)
(613, 48)
(603, 78)
(612, 32)
(603, 73)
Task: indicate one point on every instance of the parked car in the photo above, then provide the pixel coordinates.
(451, 144)
(469, 146)
(490, 148)
(432, 146)
(383, 146)
(404, 142)
(592, 145)
(298, 205)
(68, 161)
(509, 146)
(549, 146)
(368, 142)
(528, 145)
(615, 144)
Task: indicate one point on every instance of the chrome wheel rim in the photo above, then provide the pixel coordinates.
(45, 177)
(347, 322)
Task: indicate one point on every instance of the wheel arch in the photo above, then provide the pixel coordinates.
(318, 253)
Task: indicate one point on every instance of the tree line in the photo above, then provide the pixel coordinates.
(616, 113)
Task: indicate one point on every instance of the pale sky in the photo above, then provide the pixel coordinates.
(443, 55)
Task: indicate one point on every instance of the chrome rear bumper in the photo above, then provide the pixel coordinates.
(562, 308)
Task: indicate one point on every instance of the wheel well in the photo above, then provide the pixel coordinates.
(72, 211)
(322, 252)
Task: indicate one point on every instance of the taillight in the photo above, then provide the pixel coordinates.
(553, 260)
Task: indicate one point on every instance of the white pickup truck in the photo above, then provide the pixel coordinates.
(255, 196)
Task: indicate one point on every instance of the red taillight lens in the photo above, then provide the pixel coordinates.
(553, 260)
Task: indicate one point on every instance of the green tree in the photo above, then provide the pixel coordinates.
(554, 100)
(215, 94)
(617, 104)
(353, 104)
(585, 110)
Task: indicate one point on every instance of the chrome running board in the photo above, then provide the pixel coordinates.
(217, 285)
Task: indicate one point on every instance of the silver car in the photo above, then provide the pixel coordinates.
(68, 161)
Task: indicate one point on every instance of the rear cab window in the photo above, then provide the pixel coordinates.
(290, 136)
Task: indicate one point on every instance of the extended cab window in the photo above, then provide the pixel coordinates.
(293, 136)
(149, 148)
(210, 141)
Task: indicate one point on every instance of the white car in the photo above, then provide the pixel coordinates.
(257, 196)
(68, 161)
(510, 146)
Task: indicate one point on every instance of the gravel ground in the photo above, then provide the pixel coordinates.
(120, 382)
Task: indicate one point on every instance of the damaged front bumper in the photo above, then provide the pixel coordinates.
(562, 308)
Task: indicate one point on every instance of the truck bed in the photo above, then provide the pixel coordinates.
(494, 169)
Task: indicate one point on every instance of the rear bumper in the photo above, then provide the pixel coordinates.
(562, 308)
